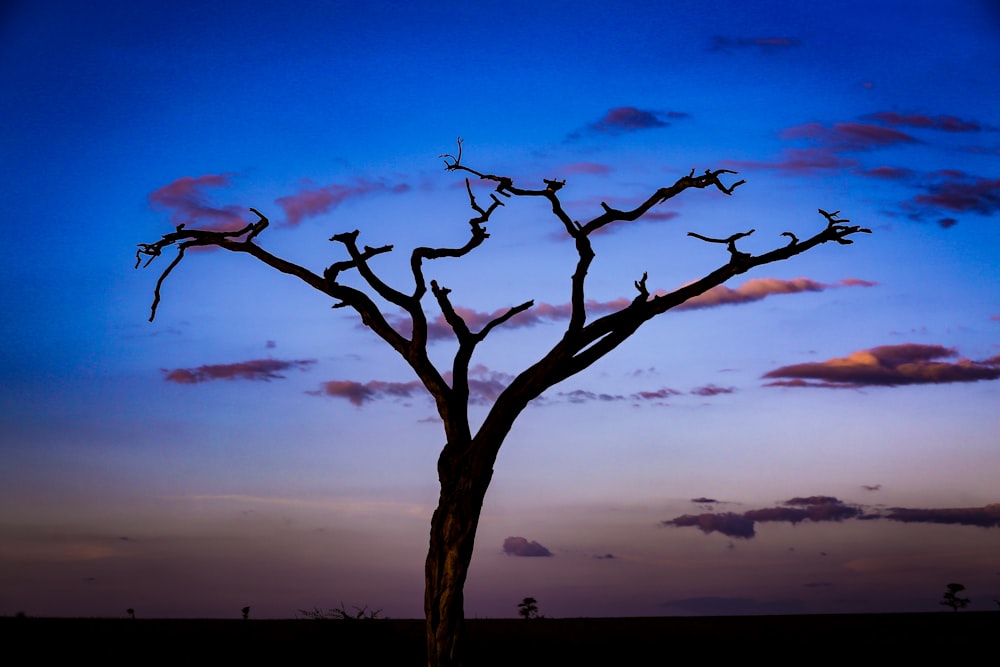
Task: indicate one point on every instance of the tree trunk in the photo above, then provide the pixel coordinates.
(464, 481)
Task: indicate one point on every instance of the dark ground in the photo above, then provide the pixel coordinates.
(835, 639)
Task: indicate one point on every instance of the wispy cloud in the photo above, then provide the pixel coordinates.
(944, 123)
(586, 168)
(312, 201)
(762, 44)
(519, 546)
(186, 201)
(752, 290)
(256, 369)
(832, 147)
(887, 366)
(757, 289)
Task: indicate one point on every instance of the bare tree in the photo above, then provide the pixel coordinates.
(465, 465)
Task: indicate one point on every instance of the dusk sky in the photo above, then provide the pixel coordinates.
(820, 435)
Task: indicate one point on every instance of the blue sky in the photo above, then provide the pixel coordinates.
(253, 446)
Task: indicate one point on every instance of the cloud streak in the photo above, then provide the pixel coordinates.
(943, 123)
(257, 369)
(311, 202)
(753, 290)
(887, 366)
(767, 45)
(186, 201)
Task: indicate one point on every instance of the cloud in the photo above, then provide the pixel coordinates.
(886, 366)
(359, 393)
(484, 385)
(944, 123)
(848, 136)
(831, 143)
(257, 369)
(756, 289)
(310, 202)
(712, 390)
(961, 193)
(187, 203)
(986, 517)
(519, 546)
(621, 120)
(586, 168)
(762, 44)
(727, 523)
(887, 173)
(795, 510)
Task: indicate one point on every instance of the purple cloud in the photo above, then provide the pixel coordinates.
(519, 546)
(257, 369)
(586, 168)
(795, 510)
(887, 366)
(961, 193)
(762, 44)
(944, 123)
(359, 393)
(986, 517)
(621, 120)
(848, 136)
(310, 202)
(756, 289)
(187, 203)
(712, 390)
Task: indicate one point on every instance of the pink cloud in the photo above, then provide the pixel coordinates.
(359, 393)
(944, 123)
(187, 203)
(257, 369)
(310, 202)
(586, 168)
(484, 385)
(750, 291)
(848, 136)
(756, 289)
(800, 161)
(887, 173)
(887, 366)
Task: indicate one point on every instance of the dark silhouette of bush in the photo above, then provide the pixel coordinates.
(951, 598)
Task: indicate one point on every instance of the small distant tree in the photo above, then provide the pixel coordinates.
(952, 599)
(465, 464)
(528, 608)
(130, 612)
(246, 612)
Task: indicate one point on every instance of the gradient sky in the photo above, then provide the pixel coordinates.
(254, 447)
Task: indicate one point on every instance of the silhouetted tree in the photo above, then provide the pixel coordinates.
(246, 612)
(528, 608)
(952, 599)
(465, 465)
(130, 612)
